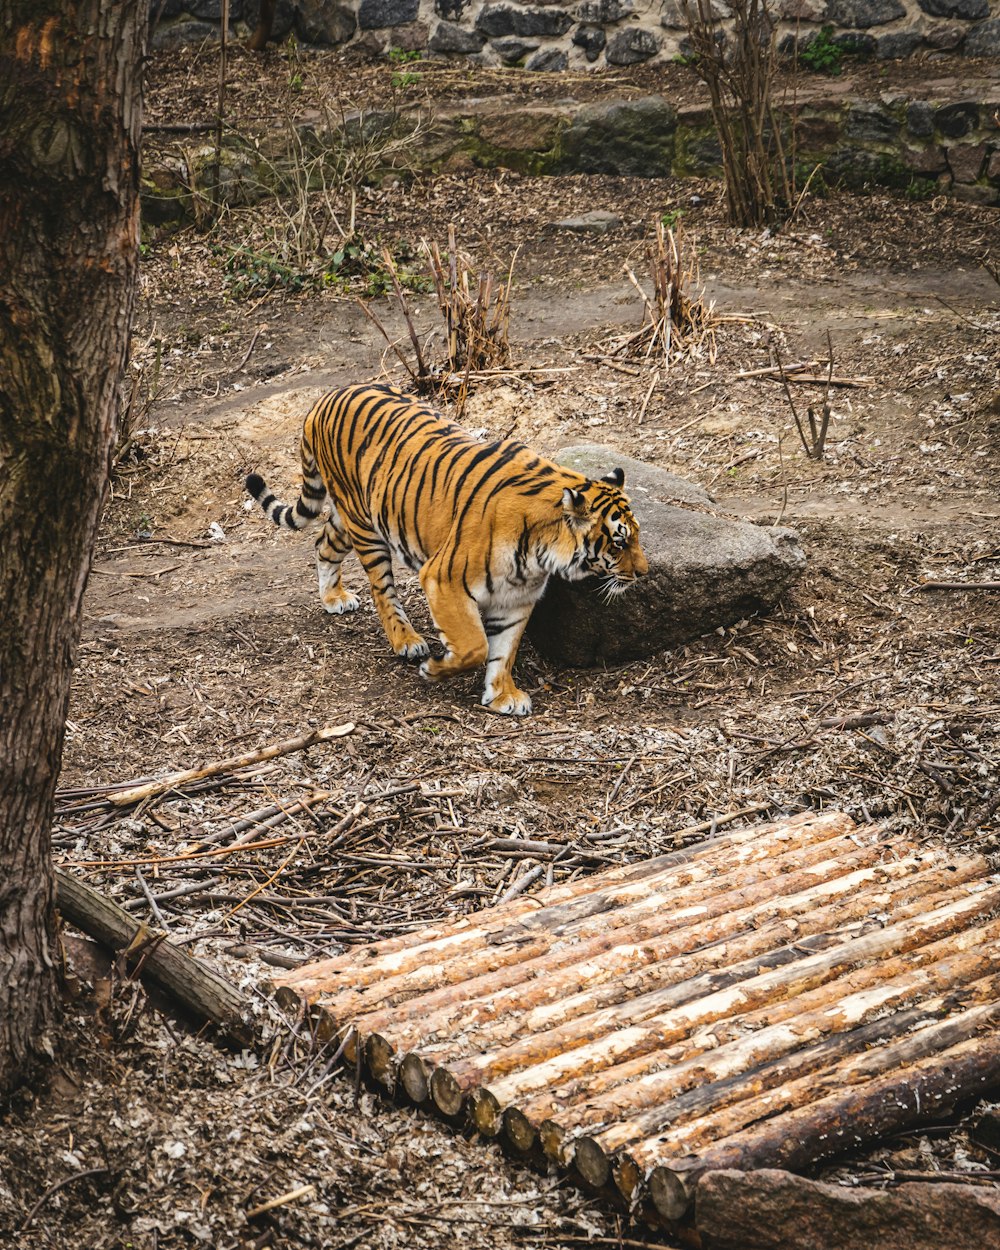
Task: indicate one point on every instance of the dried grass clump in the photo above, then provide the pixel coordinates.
(475, 308)
(677, 321)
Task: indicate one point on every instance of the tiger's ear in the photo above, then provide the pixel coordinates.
(616, 477)
(575, 507)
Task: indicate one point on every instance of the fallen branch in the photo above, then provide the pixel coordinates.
(202, 992)
(958, 586)
(136, 794)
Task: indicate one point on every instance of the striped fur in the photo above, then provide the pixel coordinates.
(484, 524)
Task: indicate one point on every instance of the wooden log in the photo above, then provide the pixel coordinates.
(628, 917)
(790, 1042)
(199, 990)
(719, 1111)
(534, 972)
(646, 1078)
(367, 965)
(150, 789)
(778, 985)
(549, 1021)
(870, 1096)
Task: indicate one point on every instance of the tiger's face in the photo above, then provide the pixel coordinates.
(606, 534)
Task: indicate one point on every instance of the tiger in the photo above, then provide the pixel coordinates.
(483, 524)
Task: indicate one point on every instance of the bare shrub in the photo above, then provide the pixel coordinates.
(475, 309)
(676, 321)
(739, 68)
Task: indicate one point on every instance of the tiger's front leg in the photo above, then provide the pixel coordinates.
(504, 627)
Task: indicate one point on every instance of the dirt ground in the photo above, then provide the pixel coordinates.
(204, 638)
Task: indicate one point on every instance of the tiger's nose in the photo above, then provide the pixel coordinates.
(640, 565)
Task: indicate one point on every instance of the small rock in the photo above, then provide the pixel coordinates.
(706, 570)
(597, 221)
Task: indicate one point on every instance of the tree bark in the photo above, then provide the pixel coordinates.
(70, 118)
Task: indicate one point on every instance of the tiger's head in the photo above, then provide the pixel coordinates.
(606, 534)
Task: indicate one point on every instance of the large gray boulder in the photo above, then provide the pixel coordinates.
(705, 570)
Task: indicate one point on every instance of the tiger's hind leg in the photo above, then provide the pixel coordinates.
(376, 560)
(332, 546)
(457, 617)
(504, 627)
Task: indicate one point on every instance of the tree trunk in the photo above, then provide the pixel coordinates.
(70, 117)
(262, 31)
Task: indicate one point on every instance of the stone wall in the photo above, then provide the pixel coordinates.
(578, 33)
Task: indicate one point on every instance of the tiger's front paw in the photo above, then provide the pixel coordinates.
(413, 649)
(341, 602)
(512, 702)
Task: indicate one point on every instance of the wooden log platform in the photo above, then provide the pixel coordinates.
(771, 997)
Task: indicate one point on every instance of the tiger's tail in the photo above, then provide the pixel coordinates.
(306, 508)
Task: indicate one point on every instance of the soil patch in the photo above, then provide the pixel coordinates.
(204, 636)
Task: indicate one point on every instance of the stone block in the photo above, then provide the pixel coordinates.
(548, 60)
(855, 43)
(802, 10)
(896, 45)
(705, 571)
(512, 49)
(993, 168)
(522, 130)
(774, 1210)
(928, 161)
(604, 12)
(944, 38)
(672, 13)
(184, 30)
(966, 161)
(591, 39)
(861, 14)
(378, 14)
(450, 37)
(631, 46)
(633, 137)
(920, 119)
(500, 19)
(871, 123)
(975, 193)
(983, 39)
(955, 121)
(967, 10)
(319, 22)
